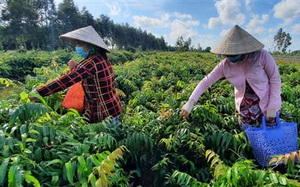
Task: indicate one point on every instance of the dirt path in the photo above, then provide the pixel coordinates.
(289, 59)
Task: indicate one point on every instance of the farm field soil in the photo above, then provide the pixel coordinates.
(288, 59)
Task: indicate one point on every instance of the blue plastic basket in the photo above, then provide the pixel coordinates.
(269, 141)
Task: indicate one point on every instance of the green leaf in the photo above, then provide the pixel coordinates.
(45, 140)
(235, 175)
(10, 143)
(23, 129)
(85, 184)
(273, 178)
(82, 169)
(31, 179)
(6, 151)
(2, 138)
(69, 170)
(30, 140)
(52, 134)
(54, 180)
(33, 131)
(39, 97)
(89, 164)
(95, 160)
(282, 180)
(46, 131)
(15, 177)
(28, 151)
(24, 136)
(228, 175)
(3, 170)
(47, 155)
(21, 146)
(72, 143)
(92, 179)
(38, 154)
(55, 161)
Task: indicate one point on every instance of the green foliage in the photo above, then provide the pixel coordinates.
(224, 144)
(17, 66)
(27, 112)
(288, 158)
(120, 57)
(286, 69)
(96, 169)
(182, 179)
(43, 144)
(244, 173)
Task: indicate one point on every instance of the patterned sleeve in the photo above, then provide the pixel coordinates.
(84, 69)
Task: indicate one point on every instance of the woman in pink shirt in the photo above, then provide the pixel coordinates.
(253, 73)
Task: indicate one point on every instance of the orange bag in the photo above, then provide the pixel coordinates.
(74, 97)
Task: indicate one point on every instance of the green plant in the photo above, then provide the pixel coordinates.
(183, 179)
(243, 173)
(57, 147)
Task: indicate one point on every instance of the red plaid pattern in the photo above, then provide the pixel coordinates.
(97, 76)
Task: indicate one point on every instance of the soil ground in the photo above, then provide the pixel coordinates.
(289, 59)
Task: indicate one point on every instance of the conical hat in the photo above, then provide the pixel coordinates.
(85, 34)
(237, 41)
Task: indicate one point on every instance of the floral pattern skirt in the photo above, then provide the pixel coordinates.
(250, 112)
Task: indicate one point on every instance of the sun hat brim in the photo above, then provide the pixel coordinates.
(86, 34)
(237, 41)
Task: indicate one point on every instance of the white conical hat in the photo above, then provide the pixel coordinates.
(237, 41)
(85, 34)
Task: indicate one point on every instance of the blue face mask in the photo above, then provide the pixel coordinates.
(81, 52)
(234, 59)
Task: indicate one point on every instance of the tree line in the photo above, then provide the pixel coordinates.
(37, 24)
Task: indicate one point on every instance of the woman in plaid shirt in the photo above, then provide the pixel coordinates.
(96, 73)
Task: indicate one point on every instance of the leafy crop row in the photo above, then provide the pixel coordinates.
(43, 144)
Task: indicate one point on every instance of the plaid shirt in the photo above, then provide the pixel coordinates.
(97, 76)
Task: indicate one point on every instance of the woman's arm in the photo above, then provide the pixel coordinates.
(81, 71)
(272, 71)
(206, 82)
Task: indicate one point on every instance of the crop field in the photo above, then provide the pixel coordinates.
(43, 144)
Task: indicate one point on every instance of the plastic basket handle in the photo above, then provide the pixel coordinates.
(264, 123)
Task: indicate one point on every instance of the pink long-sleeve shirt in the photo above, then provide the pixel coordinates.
(261, 72)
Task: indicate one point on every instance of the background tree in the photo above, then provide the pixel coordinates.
(21, 18)
(282, 40)
(182, 45)
(68, 16)
(53, 26)
(37, 24)
(199, 48)
(105, 26)
(207, 49)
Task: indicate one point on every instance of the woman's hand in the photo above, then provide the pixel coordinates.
(72, 64)
(271, 114)
(184, 113)
(187, 108)
(33, 96)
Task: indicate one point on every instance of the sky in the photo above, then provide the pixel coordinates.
(204, 21)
